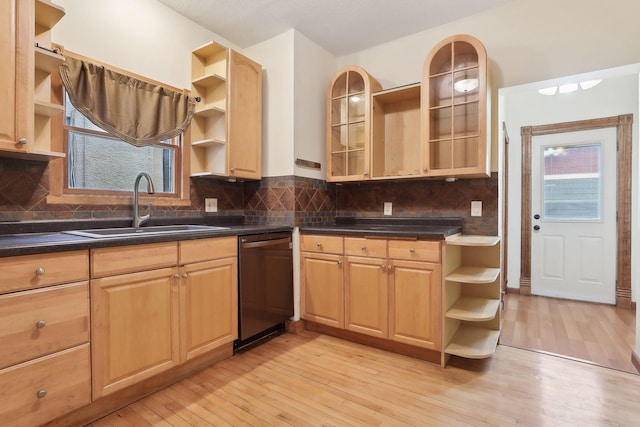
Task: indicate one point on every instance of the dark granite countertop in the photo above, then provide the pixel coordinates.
(22, 238)
(421, 228)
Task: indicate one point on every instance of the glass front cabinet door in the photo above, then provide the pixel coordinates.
(455, 110)
(348, 124)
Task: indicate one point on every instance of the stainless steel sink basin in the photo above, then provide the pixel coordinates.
(142, 231)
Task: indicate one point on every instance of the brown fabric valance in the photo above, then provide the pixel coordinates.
(138, 112)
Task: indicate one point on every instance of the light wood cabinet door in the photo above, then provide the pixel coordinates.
(322, 289)
(16, 74)
(366, 296)
(415, 304)
(135, 327)
(43, 389)
(244, 117)
(208, 306)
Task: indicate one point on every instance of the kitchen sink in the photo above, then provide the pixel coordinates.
(100, 233)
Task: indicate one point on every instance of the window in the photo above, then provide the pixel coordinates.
(100, 169)
(96, 161)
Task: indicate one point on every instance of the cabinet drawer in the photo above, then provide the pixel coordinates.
(43, 321)
(40, 390)
(36, 271)
(414, 250)
(365, 247)
(207, 249)
(129, 259)
(321, 244)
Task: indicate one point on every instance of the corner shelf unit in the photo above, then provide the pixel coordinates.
(209, 124)
(471, 296)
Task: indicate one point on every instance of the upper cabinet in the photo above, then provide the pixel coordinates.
(25, 77)
(226, 130)
(349, 124)
(455, 111)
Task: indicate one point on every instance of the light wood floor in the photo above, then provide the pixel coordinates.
(311, 380)
(596, 333)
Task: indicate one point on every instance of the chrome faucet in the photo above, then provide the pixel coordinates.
(137, 219)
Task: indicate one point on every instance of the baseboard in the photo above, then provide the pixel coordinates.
(635, 360)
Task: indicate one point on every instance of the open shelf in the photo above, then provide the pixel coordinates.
(470, 240)
(209, 80)
(473, 309)
(209, 111)
(47, 109)
(207, 143)
(48, 14)
(473, 343)
(47, 61)
(472, 274)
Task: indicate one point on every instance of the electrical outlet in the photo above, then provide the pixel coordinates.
(211, 205)
(476, 208)
(388, 208)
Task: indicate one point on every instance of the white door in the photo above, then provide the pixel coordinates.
(573, 202)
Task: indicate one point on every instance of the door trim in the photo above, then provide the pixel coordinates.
(623, 124)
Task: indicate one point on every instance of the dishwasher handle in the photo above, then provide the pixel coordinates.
(264, 243)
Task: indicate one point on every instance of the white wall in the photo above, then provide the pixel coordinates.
(142, 36)
(314, 69)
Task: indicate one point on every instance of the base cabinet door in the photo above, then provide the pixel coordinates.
(208, 306)
(322, 289)
(414, 304)
(135, 328)
(366, 296)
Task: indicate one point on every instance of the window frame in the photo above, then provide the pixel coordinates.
(59, 191)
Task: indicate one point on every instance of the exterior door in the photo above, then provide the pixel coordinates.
(573, 240)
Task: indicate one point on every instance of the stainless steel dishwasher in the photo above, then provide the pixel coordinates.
(265, 286)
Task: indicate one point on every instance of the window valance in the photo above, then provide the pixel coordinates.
(138, 112)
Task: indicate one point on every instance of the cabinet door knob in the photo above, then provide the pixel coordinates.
(185, 276)
(22, 141)
(389, 267)
(425, 170)
(339, 262)
(364, 248)
(41, 393)
(365, 173)
(412, 250)
(176, 276)
(41, 324)
(383, 266)
(232, 170)
(40, 271)
(319, 244)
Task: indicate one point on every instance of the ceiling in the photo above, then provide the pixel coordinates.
(340, 26)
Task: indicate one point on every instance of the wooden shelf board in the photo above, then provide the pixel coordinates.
(208, 111)
(208, 175)
(48, 14)
(473, 309)
(47, 109)
(473, 342)
(398, 94)
(47, 61)
(40, 156)
(471, 274)
(208, 143)
(209, 49)
(209, 80)
(470, 240)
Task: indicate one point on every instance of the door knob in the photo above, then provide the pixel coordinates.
(536, 216)
(536, 227)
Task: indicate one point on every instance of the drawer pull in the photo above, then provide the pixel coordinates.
(319, 244)
(364, 248)
(41, 393)
(41, 324)
(412, 250)
(40, 271)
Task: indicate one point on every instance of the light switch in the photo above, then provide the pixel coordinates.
(211, 205)
(476, 208)
(388, 208)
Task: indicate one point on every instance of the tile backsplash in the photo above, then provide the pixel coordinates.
(291, 200)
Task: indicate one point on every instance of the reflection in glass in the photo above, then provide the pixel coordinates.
(465, 55)
(356, 108)
(356, 82)
(465, 152)
(340, 86)
(572, 183)
(465, 119)
(440, 90)
(441, 62)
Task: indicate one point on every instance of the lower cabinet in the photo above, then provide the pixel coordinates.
(389, 289)
(147, 321)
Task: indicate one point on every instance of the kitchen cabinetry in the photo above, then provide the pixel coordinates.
(25, 77)
(208, 294)
(394, 292)
(158, 305)
(455, 111)
(44, 330)
(348, 124)
(226, 130)
(396, 133)
(321, 282)
(472, 296)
